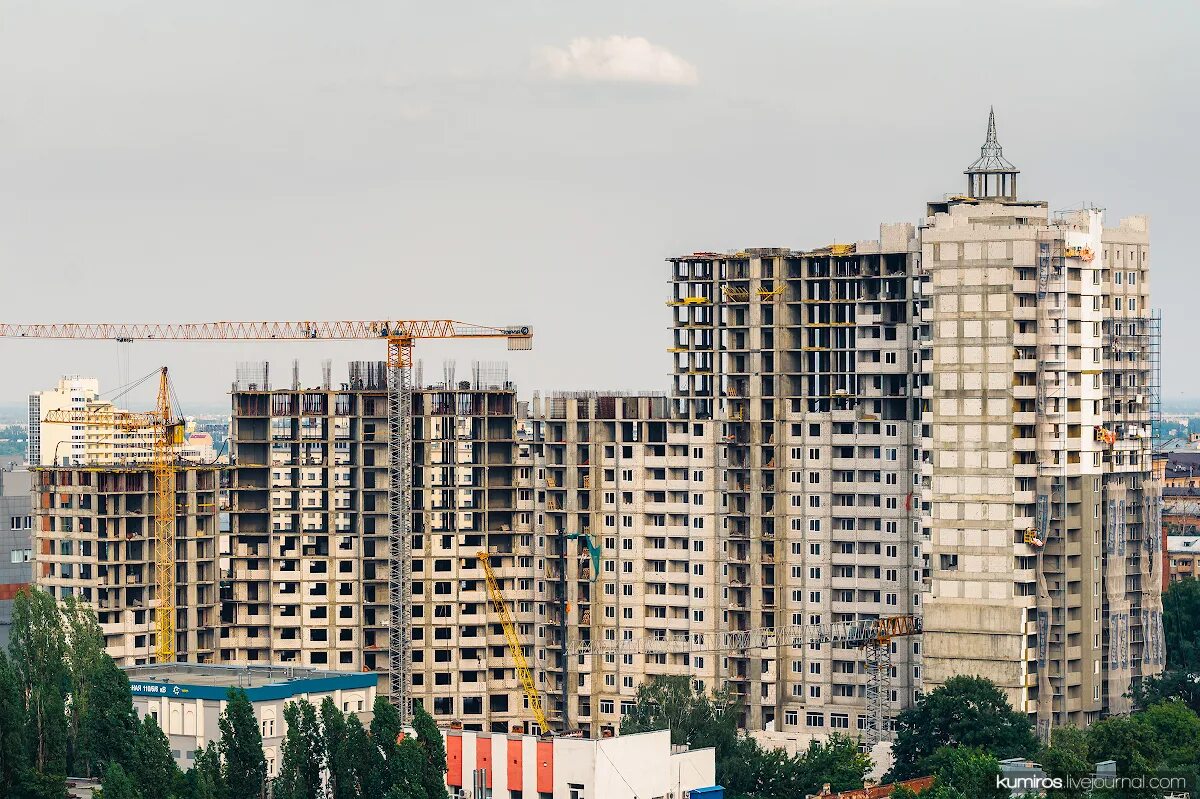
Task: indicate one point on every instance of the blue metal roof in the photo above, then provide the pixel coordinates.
(262, 693)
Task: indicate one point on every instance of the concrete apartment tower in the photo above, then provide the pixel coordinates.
(306, 578)
(1046, 569)
(627, 546)
(807, 366)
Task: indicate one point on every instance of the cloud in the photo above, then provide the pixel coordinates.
(614, 59)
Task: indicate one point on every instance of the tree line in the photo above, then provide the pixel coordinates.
(66, 709)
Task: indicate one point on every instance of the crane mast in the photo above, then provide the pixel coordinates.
(166, 433)
(400, 334)
(514, 644)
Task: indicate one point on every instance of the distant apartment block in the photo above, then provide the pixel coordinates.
(55, 444)
(16, 547)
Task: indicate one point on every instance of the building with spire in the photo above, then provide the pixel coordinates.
(1044, 546)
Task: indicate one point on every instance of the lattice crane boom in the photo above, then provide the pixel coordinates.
(514, 643)
(400, 334)
(874, 636)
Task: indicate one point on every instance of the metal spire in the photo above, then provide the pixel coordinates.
(991, 154)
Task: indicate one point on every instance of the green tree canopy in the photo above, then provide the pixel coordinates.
(153, 770)
(303, 758)
(694, 717)
(36, 649)
(1067, 759)
(109, 724)
(971, 772)
(243, 765)
(203, 779)
(1181, 625)
(966, 711)
(433, 776)
(13, 761)
(364, 759)
(85, 658)
(335, 752)
(116, 784)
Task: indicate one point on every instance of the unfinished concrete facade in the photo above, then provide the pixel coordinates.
(1046, 561)
(810, 364)
(627, 547)
(94, 539)
(307, 552)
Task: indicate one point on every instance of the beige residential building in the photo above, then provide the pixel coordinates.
(59, 444)
(94, 442)
(1045, 552)
(628, 547)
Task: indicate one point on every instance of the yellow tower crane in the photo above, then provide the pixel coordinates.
(167, 434)
(400, 335)
(514, 644)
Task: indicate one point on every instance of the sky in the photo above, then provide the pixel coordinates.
(536, 162)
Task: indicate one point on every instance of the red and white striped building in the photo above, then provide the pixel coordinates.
(482, 765)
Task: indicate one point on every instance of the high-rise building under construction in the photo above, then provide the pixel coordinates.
(1045, 518)
(949, 421)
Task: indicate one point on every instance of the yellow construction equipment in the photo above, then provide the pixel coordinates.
(400, 335)
(514, 643)
(167, 433)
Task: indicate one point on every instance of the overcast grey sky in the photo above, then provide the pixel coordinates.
(535, 162)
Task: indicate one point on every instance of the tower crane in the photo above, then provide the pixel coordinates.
(167, 434)
(872, 635)
(400, 335)
(514, 643)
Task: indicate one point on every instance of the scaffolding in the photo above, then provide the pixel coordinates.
(1052, 468)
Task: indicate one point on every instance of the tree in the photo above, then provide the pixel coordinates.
(12, 730)
(364, 759)
(203, 780)
(1181, 634)
(334, 751)
(1171, 684)
(153, 770)
(1131, 742)
(1181, 625)
(411, 758)
(749, 770)
(85, 656)
(109, 724)
(385, 732)
(1066, 759)
(694, 717)
(36, 647)
(965, 711)
(1177, 728)
(243, 765)
(971, 772)
(302, 758)
(836, 761)
(117, 785)
(433, 775)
